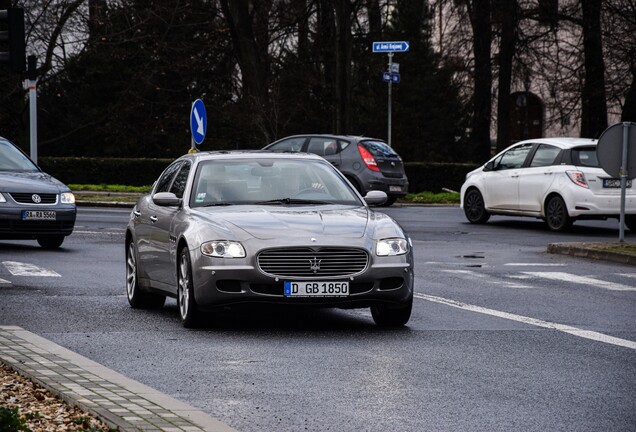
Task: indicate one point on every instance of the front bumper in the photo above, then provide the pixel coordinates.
(220, 283)
(13, 227)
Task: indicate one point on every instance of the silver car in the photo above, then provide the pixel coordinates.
(33, 205)
(228, 228)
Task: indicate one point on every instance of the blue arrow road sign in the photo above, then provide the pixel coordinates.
(386, 76)
(198, 121)
(395, 78)
(383, 47)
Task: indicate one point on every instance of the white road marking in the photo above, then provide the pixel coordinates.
(535, 264)
(477, 275)
(586, 334)
(585, 280)
(26, 269)
(2, 281)
(629, 275)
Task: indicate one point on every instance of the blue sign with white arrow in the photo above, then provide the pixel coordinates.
(393, 77)
(198, 121)
(384, 47)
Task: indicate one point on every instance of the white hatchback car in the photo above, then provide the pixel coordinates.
(556, 179)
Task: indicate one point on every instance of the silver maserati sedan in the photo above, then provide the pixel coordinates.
(228, 228)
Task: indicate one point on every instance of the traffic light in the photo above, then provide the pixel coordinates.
(12, 39)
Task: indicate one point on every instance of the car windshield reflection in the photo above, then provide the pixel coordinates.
(250, 181)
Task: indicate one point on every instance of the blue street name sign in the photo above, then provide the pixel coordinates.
(383, 47)
(198, 121)
(387, 76)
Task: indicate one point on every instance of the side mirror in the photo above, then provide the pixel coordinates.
(490, 166)
(166, 199)
(375, 197)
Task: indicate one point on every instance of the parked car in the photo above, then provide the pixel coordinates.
(368, 163)
(33, 205)
(227, 228)
(556, 179)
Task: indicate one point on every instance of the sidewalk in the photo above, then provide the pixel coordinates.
(116, 400)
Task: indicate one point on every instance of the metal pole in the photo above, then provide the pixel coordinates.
(33, 122)
(624, 175)
(390, 84)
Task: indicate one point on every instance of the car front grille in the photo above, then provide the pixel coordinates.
(30, 198)
(313, 262)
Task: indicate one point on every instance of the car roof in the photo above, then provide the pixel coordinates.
(248, 154)
(342, 137)
(562, 142)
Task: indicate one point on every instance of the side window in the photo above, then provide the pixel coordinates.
(545, 155)
(179, 184)
(163, 185)
(289, 145)
(322, 146)
(515, 157)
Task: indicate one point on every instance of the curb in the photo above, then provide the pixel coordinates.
(588, 250)
(118, 401)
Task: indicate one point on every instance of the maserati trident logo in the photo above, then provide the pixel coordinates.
(36, 198)
(314, 265)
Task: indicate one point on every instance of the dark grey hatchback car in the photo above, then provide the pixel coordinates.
(33, 205)
(368, 163)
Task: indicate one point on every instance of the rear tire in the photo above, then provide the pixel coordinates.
(136, 298)
(556, 214)
(386, 315)
(475, 208)
(190, 316)
(51, 243)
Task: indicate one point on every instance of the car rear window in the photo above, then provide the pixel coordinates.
(379, 149)
(585, 156)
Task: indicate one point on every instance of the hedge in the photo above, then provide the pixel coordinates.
(423, 176)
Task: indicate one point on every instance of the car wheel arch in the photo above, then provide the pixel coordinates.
(475, 187)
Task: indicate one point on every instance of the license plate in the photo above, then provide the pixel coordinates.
(615, 183)
(316, 289)
(38, 215)
(395, 188)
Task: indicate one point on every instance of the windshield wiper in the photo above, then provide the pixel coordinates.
(218, 204)
(293, 201)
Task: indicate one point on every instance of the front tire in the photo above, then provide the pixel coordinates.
(136, 298)
(556, 214)
(390, 200)
(475, 208)
(190, 316)
(386, 315)
(51, 243)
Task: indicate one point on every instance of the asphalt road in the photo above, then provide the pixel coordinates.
(503, 335)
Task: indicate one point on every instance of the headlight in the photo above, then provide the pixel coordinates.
(223, 249)
(2, 199)
(392, 246)
(68, 198)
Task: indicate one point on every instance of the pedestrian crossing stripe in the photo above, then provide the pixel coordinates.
(26, 269)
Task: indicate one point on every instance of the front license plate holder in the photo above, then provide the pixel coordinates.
(611, 183)
(316, 289)
(38, 215)
(393, 188)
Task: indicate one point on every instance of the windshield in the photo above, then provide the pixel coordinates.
(585, 156)
(269, 181)
(379, 149)
(12, 159)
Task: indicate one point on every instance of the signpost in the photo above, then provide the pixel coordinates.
(616, 153)
(392, 76)
(198, 123)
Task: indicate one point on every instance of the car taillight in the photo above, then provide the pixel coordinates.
(368, 159)
(578, 178)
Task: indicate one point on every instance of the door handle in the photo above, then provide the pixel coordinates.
(547, 172)
(514, 175)
(153, 219)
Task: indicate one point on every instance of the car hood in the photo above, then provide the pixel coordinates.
(30, 182)
(279, 222)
